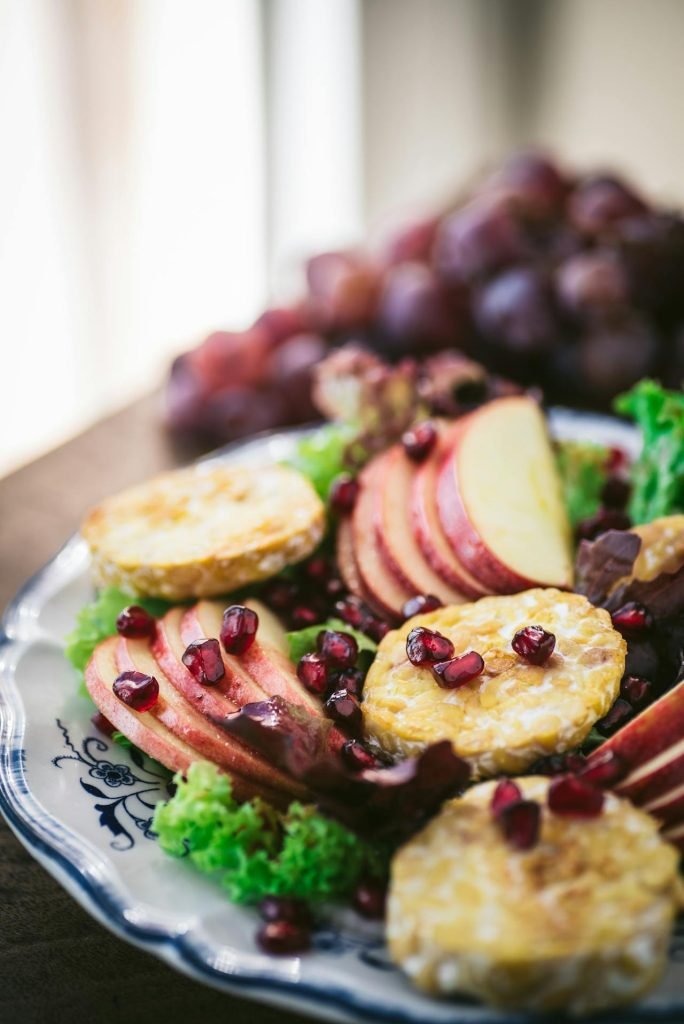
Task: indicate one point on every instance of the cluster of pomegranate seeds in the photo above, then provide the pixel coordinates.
(419, 605)
(534, 644)
(370, 899)
(635, 690)
(318, 569)
(351, 680)
(632, 618)
(617, 460)
(424, 646)
(620, 712)
(203, 660)
(358, 615)
(576, 797)
(312, 673)
(239, 629)
(358, 757)
(344, 708)
(343, 493)
(134, 623)
(519, 819)
(136, 690)
(339, 650)
(605, 770)
(281, 595)
(419, 441)
(103, 724)
(604, 519)
(303, 615)
(458, 671)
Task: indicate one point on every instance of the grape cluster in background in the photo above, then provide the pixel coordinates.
(573, 284)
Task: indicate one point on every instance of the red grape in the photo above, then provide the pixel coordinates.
(477, 240)
(516, 311)
(414, 310)
(598, 203)
(592, 283)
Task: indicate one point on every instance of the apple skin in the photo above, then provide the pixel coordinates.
(466, 542)
(265, 662)
(250, 772)
(346, 562)
(386, 594)
(142, 729)
(428, 531)
(393, 475)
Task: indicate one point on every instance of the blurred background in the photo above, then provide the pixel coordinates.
(168, 164)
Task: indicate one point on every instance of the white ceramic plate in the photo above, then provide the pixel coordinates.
(82, 806)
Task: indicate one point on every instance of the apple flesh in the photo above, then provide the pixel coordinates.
(499, 499)
(391, 478)
(247, 769)
(266, 662)
(386, 593)
(428, 530)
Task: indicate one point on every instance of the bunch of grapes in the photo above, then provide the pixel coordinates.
(572, 284)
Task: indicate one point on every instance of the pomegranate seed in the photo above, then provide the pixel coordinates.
(572, 795)
(617, 460)
(343, 493)
(281, 595)
(377, 629)
(285, 908)
(134, 622)
(312, 672)
(605, 769)
(136, 690)
(351, 680)
(334, 587)
(426, 645)
(354, 612)
(357, 757)
(419, 441)
(605, 519)
(419, 605)
(615, 719)
(635, 690)
(615, 492)
(457, 671)
(339, 650)
(282, 937)
(103, 724)
(345, 709)
(632, 618)
(534, 644)
(317, 569)
(303, 616)
(203, 659)
(239, 629)
(506, 792)
(369, 899)
(520, 822)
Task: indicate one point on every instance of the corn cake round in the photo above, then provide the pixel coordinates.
(205, 530)
(515, 712)
(580, 922)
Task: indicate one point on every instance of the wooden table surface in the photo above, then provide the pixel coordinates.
(57, 966)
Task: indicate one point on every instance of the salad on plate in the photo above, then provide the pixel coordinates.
(432, 669)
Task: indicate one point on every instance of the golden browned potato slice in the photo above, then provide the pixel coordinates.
(515, 712)
(204, 530)
(580, 922)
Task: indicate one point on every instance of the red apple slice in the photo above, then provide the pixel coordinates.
(266, 661)
(386, 594)
(346, 562)
(499, 499)
(428, 530)
(235, 689)
(209, 742)
(394, 474)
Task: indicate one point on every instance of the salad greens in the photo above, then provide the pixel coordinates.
(582, 468)
(304, 640)
(97, 620)
(658, 473)
(322, 455)
(257, 850)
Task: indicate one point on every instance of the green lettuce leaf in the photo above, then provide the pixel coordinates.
(255, 850)
(582, 468)
(658, 473)
(321, 455)
(302, 641)
(97, 620)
